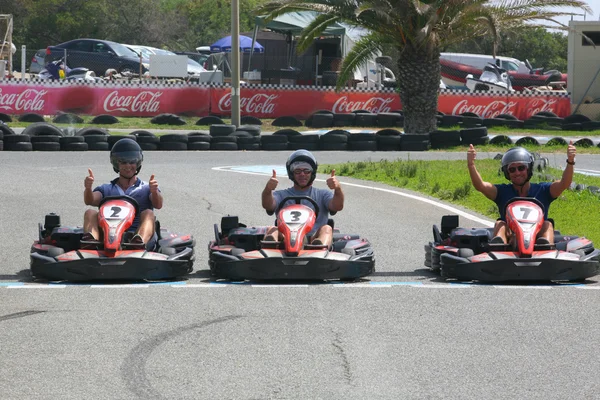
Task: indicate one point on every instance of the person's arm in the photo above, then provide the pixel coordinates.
(156, 197)
(267, 198)
(90, 198)
(337, 202)
(488, 189)
(557, 187)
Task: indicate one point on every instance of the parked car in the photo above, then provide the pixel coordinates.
(97, 55)
(194, 68)
(37, 61)
(198, 57)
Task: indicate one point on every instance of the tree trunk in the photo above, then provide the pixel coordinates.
(419, 91)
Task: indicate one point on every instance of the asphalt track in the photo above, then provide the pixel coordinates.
(402, 333)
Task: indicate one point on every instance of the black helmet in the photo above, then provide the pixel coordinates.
(126, 150)
(517, 155)
(302, 156)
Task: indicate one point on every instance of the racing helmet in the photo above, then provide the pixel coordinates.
(126, 150)
(302, 156)
(517, 155)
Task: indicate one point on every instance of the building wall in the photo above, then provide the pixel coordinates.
(583, 62)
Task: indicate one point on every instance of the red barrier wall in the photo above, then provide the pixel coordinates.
(48, 98)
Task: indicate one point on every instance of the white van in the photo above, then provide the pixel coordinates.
(481, 60)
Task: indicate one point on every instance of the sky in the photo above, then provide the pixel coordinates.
(594, 5)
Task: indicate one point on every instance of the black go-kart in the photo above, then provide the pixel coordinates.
(59, 254)
(467, 254)
(240, 253)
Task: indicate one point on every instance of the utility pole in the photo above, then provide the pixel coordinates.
(235, 62)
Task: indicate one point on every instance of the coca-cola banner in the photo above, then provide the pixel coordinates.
(487, 106)
(147, 100)
(117, 100)
(271, 102)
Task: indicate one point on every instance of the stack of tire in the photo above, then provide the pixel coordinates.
(278, 140)
(445, 139)
(474, 136)
(96, 138)
(230, 137)
(336, 139)
(389, 139)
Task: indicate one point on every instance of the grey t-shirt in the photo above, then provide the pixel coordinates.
(321, 196)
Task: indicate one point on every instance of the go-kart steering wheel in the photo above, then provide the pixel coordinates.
(297, 200)
(128, 199)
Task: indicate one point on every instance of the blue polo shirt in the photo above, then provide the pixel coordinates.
(321, 196)
(539, 191)
(140, 191)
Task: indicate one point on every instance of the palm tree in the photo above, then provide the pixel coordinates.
(419, 30)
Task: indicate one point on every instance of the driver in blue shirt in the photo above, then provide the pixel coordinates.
(517, 165)
(301, 167)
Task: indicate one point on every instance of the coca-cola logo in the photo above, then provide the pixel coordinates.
(145, 101)
(259, 103)
(490, 110)
(29, 100)
(374, 105)
(538, 105)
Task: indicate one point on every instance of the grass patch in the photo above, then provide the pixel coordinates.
(573, 212)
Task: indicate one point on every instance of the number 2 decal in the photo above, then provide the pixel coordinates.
(116, 211)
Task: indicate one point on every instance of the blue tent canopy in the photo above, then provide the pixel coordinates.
(224, 45)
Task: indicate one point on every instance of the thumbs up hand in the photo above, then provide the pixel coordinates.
(89, 180)
(273, 182)
(153, 184)
(332, 181)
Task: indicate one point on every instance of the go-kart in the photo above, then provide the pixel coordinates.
(241, 253)
(467, 254)
(60, 254)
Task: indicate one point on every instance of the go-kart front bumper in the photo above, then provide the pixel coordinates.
(96, 267)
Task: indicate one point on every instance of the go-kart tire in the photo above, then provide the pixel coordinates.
(249, 146)
(5, 130)
(66, 118)
(286, 121)
(223, 146)
(362, 137)
(31, 117)
(142, 133)
(287, 132)
(112, 139)
(306, 146)
(5, 117)
(18, 146)
(422, 145)
(526, 140)
(250, 120)
(448, 121)
(389, 143)
(334, 146)
(45, 146)
(104, 119)
(334, 138)
(209, 120)
(148, 139)
(584, 142)
(14, 138)
(173, 146)
(199, 145)
(198, 138)
(1, 145)
(89, 139)
(365, 120)
(221, 129)
(322, 120)
(509, 117)
(45, 139)
(98, 146)
(92, 131)
(74, 146)
(42, 128)
(147, 146)
(310, 138)
(174, 137)
(342, 119)
(501, 140)
(388, 120)
(274, 139)
(254, 130)
(274, 146)
(71, 139)
(363, 145)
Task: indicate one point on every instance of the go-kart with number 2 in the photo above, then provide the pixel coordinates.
(59, 254)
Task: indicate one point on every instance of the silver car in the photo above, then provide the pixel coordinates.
(37, 62)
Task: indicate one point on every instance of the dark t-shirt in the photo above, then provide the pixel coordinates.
(540, 191)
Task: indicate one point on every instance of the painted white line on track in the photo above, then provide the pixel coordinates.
(199, 285)
(588, 287)
(395, 192)
(361, 285)
(443, 286)
(278, 286)
(37, 287)
(120, 286)
(521, 287)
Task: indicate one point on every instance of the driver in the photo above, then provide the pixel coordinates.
(301, 167)
(517, 165)
(126, 158)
